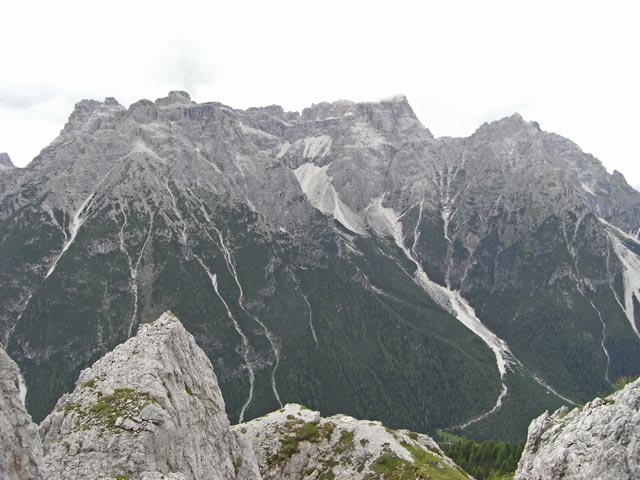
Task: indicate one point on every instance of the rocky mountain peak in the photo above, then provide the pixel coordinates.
(175, 97)
(149, 408)
(392, 114)
(327, 110)
(274, 110)
(388, 115)
(157, 199)
(112, 102)
(619, 176)
(88, 115)
(143, 111)
(82, 110)
(506, 127)
(5, 160)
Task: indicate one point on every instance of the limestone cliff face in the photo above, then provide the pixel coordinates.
(297, 443)
(150, 409)
(20, 446)
(598, 441)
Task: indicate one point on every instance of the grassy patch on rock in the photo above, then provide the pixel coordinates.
(298, 432)
(103, 413)
(424, 465)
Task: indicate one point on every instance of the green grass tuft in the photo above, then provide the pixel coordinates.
(103, 413)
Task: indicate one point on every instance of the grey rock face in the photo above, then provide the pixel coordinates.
(5, 161)
(151, 409)
(599, 441)
(21, 454)
(295, 443)
(514, 231)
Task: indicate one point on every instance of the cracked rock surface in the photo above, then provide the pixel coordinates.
(20, 446)
(598, 441)
(151, 409)
(297, 443)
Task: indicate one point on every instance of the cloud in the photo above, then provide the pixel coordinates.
(18, 98)
(459, 63)
(186, 67)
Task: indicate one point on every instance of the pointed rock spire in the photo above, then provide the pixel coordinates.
(5, 161)
(20, 445)
(148, 409)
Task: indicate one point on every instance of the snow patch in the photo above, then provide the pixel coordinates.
(543, 384)
(22, 390)
(315, 147)
(447, 199)
(580, 288)
(245, 341)
(55, 222)
(450, 300)
(496, 407)
(587, 189)
(317, 186)
(604, 337)
(313, 330)
(174, 203)
(270, 336)
(76, 222)
(467, 315)
(630, 271)
(283, 150)
(133, 267)
(254, 131)
(231, 267)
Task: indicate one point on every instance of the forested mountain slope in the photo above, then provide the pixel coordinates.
(341, 257)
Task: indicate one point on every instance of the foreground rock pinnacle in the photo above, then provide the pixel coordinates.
(600, 440)
(150, 409)
(20, 446)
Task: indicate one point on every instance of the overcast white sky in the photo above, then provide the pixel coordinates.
(573, 66)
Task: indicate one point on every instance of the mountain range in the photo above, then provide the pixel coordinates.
(342, 257)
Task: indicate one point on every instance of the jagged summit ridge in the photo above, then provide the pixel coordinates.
(175, 97)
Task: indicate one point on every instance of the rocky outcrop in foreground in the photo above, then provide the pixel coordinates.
(297, 443)
(20, 446)
(151, 409)
(598, 441)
